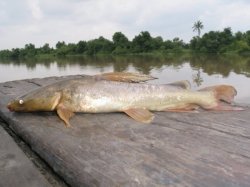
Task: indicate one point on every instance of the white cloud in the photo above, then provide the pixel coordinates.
(35, 9)
(49, 21)
(235, 15)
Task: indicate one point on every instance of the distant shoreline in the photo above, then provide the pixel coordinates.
(213, 42)
(156, 54)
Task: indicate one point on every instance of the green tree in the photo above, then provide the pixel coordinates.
(5, 53)
(28, 51)
(66, 49)
(121, 43)
(45, 49)
(198, 26)
(60, 44)
(120, 39)
(100, 45)
(81, 47)
(210, 42)
(239, 35)
(15, 53)
(29, 46)
(226, 36)
(247, 37)
(142, 42)
(195, 43)
(157, 43)
(168, 44)
(178, 43)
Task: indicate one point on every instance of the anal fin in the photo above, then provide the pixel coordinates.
(190, 108)
(226, 107)
(181, 110)
(64, 114)
(140, 115)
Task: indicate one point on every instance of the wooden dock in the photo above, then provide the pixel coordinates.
(177, 149)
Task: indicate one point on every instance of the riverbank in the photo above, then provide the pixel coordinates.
(181, 53)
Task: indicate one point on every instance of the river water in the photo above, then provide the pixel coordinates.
(201, 71)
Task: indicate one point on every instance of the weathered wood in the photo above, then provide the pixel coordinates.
(15, 168)
(177, 149)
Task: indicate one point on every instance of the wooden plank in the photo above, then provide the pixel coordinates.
(15, 168)
(177, 149)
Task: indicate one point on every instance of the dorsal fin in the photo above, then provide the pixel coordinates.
(184, 84)
(124, 77)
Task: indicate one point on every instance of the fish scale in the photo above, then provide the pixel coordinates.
(117, 92)
(110, 96)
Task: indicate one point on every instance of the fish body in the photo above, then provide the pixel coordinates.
(95, 95)
(110, 96)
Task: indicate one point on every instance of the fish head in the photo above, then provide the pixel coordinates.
(39, 101)
(21, 105)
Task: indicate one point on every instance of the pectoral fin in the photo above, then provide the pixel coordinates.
(64, 114)
(139, 114)
(124, 77)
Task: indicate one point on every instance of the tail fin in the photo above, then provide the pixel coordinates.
(224, 95)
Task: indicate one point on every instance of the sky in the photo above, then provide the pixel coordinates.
(49, 21)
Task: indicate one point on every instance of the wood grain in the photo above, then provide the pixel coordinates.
(177, 149)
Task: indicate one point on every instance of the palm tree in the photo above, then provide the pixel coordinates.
(197, 27)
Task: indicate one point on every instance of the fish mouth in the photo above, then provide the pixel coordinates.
(10, 108)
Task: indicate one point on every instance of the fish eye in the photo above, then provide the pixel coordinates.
(20, 101)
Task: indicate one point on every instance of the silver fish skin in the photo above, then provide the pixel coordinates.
(100, 93)
(110, 96)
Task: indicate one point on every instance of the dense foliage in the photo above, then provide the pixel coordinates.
(219, 42)
(222, 42)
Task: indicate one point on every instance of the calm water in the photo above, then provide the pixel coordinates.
(200, 71)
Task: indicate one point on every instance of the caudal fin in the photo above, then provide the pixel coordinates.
(225, 95)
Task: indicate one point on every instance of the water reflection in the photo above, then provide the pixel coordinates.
(222, 65)
(200, 70)
(197, 79)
